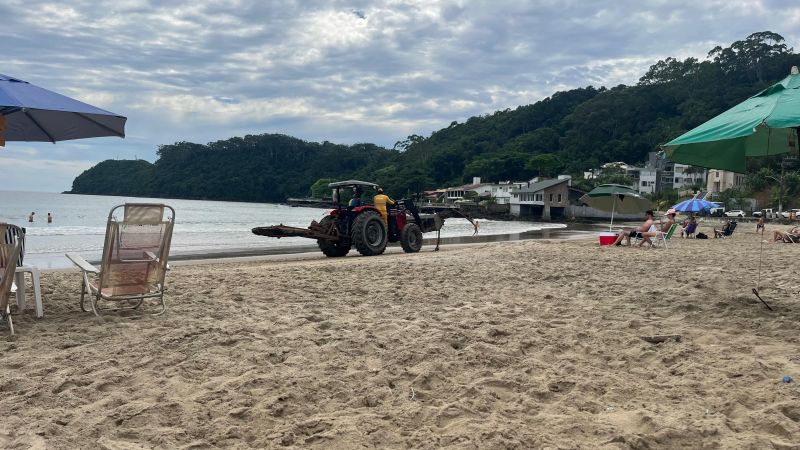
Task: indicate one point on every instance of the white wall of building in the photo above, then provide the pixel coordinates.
(648, 179)
(722, 180)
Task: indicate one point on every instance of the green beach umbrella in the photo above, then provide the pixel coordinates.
(616, 198)
(764, 124)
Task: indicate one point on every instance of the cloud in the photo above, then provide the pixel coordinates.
(347, 72)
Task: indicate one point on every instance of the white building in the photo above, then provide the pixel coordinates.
(683, 176)
(458, 193)
(545, 199)
(647, 182)
(501, 192)
(722, 180)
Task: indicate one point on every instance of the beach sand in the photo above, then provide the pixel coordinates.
(526, 344)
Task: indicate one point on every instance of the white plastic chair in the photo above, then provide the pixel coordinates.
(9, 253)
(12, 234)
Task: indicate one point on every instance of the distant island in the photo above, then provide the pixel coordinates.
(569, 132)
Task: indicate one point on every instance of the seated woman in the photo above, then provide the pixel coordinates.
(790, 235)
(720, 232)
(690, 228)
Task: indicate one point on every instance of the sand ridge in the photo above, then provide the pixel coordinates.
(531, 344)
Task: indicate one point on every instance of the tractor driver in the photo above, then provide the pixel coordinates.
(356, 200)
(380, 201)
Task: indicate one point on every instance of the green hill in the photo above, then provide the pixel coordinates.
(566, 133)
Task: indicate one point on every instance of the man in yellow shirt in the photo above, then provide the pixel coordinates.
(380, 201)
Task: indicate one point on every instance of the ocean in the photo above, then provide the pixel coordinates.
(201, 227)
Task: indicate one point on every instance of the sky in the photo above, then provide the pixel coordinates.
(343, 71)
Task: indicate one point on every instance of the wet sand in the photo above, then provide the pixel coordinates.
(525, 344)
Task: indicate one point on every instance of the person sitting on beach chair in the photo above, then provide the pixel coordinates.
(665, 228)
(628, 233)
(792, 235)
(689, 227)
(726, 230)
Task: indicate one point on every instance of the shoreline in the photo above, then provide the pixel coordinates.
(57, 262)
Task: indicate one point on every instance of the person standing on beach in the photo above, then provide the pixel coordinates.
(49, 218)
(380, 201)
(477, 227)
(30, 217)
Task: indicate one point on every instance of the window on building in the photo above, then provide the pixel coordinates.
(551, 197)
(559, 198)
(538, 197)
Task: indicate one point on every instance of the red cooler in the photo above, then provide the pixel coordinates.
(607, 238)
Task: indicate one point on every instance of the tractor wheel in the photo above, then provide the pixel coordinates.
(369, 233)
(330, 248)
(411, 238)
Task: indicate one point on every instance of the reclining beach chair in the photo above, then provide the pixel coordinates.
(13, 234)
(9, 254)
(791, 236)
(135, 257)
(726, 230)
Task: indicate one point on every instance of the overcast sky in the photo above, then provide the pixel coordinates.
(343, 71)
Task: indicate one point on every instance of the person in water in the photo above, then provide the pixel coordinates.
(30, 217)
(49, 218)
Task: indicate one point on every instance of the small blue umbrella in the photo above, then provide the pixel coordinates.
(34, 114)
(694, 205)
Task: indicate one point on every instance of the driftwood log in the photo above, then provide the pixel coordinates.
(659, 338)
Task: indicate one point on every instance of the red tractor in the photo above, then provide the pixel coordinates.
(362, 226)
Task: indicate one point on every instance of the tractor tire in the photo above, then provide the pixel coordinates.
(369, 233)
(411, 238)
(332, 249)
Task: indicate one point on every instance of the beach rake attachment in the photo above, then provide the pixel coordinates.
(314, 231)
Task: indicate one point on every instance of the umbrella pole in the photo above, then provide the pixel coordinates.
(613, 205)
(758, 283)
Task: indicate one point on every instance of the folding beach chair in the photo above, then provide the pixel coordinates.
(663, 237)
(13, 234)
(135, 257)
(9, 254)
(791, 238)
(726, 231)
(638, 238)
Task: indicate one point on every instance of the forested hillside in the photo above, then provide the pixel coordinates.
(565, 133)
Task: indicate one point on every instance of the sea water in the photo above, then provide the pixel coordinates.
(201, 227)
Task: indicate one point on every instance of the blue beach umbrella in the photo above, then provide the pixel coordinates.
(34, 114)
(694, 205)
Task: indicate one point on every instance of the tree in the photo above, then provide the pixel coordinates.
(750, 55)
(547, 165)
(320, 188)
(669, 70)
